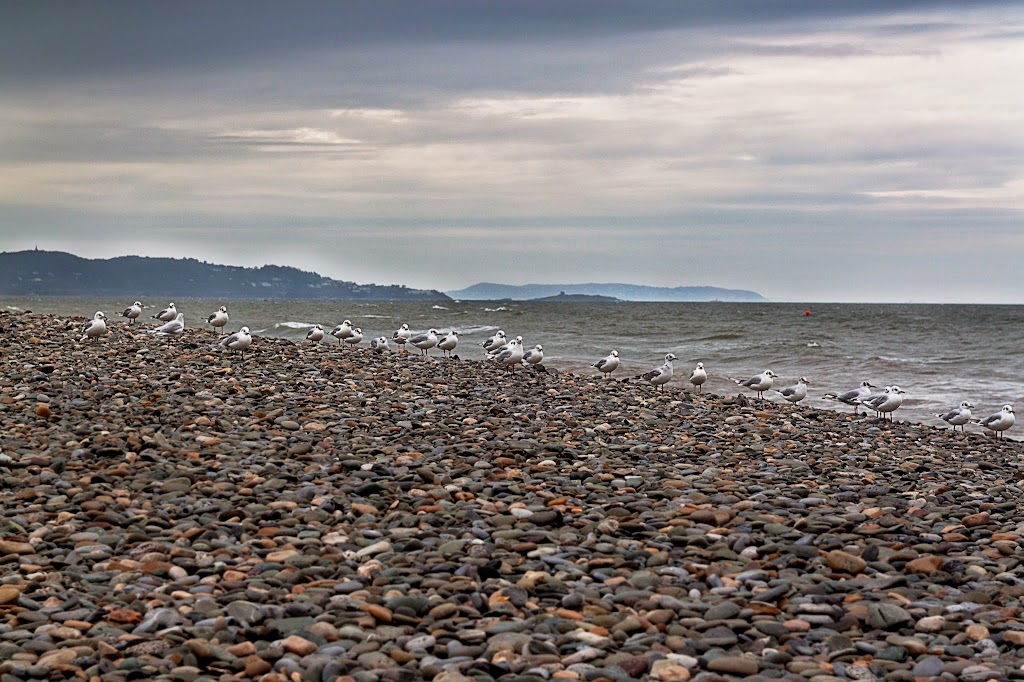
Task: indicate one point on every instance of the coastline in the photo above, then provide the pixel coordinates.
(385, 517)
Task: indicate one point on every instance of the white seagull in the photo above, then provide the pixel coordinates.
(1000, 421)
(660, 375)
(173, 328)
(239, 341)
(958, 416)
(698, 376)
(885, 403)
(534, 356)
(355, 337)
(132, 312)
(380, 345)
(853, 397)
(795, 393)
(425, 341)
(316, 334)
(498, 351)
(448, 342)
(495, 342)
(167, 314)
(608, 364)
(511, 355)
(342, 331)
(401, 336)
(761, 383)
(94, 328)
(218, 319)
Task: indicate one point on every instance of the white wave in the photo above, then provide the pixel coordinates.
(813, 344)
(476, 330)
(438, 307)
(12, 307)
(295, 325)
(495, 310)
(370, 317)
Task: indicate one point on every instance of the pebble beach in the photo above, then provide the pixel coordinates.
(171, 511)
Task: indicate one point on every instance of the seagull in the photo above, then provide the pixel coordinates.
(448, 343)
(380, 345)
(958, 416)
(495, 342)
(1000, 421)
(498, 351)
(94, 328)
(885, 403)
(316, 334)
(342, 331)
(401, 336)
(218, 319)
(511, 355)
(132, 312)
(853, 397)
(173, 328)
(534, 356)
(167, 314)
(355, 337)
(608, 364)
(239, 341)
(795, 393)
(761, 383)
(698, 376)
(660, 375)
(425, 341)
(871, 397)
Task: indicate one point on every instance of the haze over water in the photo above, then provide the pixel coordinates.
(939, 354)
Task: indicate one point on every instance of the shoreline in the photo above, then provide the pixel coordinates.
(169, 508)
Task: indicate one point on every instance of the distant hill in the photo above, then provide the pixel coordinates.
(487, 291)
(54, 273)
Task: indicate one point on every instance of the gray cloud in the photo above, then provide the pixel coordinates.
(437, 144)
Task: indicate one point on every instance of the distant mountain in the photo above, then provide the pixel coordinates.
(54, 273)
(487, 291)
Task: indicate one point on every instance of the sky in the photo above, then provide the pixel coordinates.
(810, 151)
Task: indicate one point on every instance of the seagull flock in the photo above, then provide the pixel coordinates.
(509, 354)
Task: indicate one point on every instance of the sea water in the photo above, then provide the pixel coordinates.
(938, 354)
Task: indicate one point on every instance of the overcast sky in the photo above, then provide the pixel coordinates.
(810, 151)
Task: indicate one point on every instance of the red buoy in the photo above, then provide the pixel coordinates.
(807, 313)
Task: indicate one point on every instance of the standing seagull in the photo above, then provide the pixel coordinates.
(425, 341)
(795, 393)
(342, 331)
(958, 416)
(94, 328)
(355, 337)
(448, 343)
(698, 376)
(167, 314)
(886, 403)
(660, 375)
(608, 364)
(761, 383)
(534, 356)
(380, 345)
(218, 319)
(853, 397)
(1000, 421)
(173, 328)
(132, 312)
(316, 334)
(239, 341)
(511, 355)
(495, 342)
(401, 336)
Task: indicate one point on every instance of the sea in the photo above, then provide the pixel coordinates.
(939, 354)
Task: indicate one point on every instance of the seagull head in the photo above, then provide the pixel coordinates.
(137, 304)
(966, 405)
(99, 315)
(243, 330)
(700, 365)
(769, 373)
(669, 357)
(897, 389)
(614, 353)
(803, 380)
(1008, 408)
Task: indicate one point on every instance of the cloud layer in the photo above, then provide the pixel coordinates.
(852, 154)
